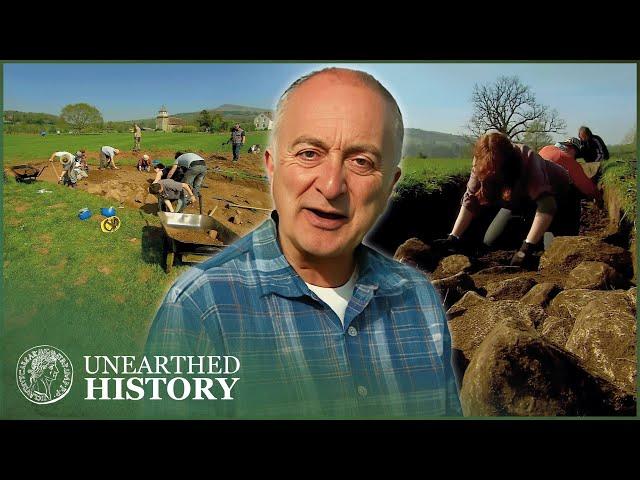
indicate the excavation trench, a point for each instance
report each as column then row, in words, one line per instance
column 530, row 341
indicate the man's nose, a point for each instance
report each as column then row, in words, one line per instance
column 331, row 181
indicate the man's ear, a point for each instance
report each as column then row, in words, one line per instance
column 396, row 177
column 269, row 163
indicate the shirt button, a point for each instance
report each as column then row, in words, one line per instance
column 362, row 391
column 352, row 331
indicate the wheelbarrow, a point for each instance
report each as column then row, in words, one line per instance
column 26, row 173
column 195, row 238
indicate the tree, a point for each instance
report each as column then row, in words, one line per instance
column 632, row 135
column 217, row 122
column 535, row 137
column 81, row 115
column 509, row 106
column 204, row 120
column 224, row 126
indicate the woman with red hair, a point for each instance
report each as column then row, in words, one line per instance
column 513, row 176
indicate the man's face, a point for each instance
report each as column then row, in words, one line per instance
column 582, row 135
column 51, row 372
column 332, row 166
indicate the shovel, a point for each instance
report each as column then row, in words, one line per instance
column 55, row 171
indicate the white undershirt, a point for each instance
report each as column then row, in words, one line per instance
column 338, row 297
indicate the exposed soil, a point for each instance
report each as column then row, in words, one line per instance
column 46, row 238
column 241, row 183
column 247, row 186
column 21, row 207
column 594, row 221
column 105, row 270
column 185, row 235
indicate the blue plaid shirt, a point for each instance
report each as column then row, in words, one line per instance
column 391, row 358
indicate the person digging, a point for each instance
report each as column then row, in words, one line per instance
column 515, row 178
column 107, row 157
column 144, row 164
column 168, row 190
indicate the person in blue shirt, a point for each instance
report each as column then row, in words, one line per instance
column 323, row 325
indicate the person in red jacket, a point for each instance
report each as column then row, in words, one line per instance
column 564, row 154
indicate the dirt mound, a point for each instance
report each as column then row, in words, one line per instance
column 566, row 253
column 242, row 183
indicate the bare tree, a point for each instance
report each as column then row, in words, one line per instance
column 535, row 137
column 509, row 106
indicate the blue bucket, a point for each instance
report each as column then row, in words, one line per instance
column 84, row 214
column 108, row 212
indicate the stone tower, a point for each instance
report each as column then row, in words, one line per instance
column 162, row 120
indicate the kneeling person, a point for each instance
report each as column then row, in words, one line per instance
column 194, row 166
column 169, row 190
column 143, row 164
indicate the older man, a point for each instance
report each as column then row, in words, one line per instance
column 323, row 325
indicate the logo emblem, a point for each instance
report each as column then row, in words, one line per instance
column 44, row 374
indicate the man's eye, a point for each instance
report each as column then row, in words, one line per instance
column 308, row 155
column 362, row 163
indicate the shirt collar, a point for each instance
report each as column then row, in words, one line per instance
column 279, row 277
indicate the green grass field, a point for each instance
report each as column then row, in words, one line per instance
column 435, row 167
column 619, row 174
column 422, row 175
column 21, row 148
column 68, row 284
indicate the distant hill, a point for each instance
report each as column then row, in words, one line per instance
column 435, row 144
column 234, row 113
column 239, row 108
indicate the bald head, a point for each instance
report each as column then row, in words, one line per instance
column 345, row 76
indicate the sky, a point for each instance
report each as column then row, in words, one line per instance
column 432, row 96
